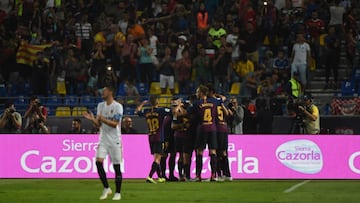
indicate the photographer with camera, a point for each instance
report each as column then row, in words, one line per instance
column 35, row 117
column 311, row 115
column 235, row 120
column 10, row 120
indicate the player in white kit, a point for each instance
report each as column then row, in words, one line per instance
column 108, row 119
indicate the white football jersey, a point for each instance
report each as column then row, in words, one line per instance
column 108, row 134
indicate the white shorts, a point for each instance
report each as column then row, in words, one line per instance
column 114, row 151
column 166, row 80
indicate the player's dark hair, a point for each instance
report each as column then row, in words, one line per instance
column 203, row 89
column 111, row 89
column 153, row 99
column 211, row 88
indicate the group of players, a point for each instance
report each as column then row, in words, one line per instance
column 186, row 127
column 182, row 129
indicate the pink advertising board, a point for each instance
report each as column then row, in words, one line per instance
column 251, row 157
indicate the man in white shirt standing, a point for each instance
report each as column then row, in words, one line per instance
column 108, row 119
column 300, row 58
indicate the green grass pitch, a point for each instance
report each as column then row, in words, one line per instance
column 252, row 191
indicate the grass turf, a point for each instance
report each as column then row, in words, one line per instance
column 88, row 190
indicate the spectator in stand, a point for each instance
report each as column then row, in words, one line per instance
column 40, row 74
column 269, row 20
column 249, row 122
column 98, row 57
column 202, row 18
column 136, row 30
column 10, row 120
column 51, row 31
column 201, row 65
column 351, row 46
column 92, row 88
column 235, row 120
column 350, row 21
column 35, row 117
column 129, row 54
column 216, row 32
column 123, row 23
column 76, row 127
column 167, row 74
column 336, row 17
column 127, row 126
column 242, row 67
column 251, row 83
column 281, row 63
column 248, row 43
column 332, row 53
column 300, row 58
column 131, row 92
column 146, row 66
column 232, row 38
column 83, row 32
column 221, row 70
column 153, row 39
column 293, row 87
column 181, row 21
column 315, row 27
column 183, row 68
column 182, row 45
column 247, row 14
column 268, row 62
column 72, row 66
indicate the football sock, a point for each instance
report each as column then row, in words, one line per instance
column 163, row 165
column 199, row 164
column 213, row 163
column 102, row 174
column 180, row 168
column 219, row 167
column 154, row 167
column 172, row 165
column 187, row 170
column 159, row 171
column 226, row 167
column 118, row 177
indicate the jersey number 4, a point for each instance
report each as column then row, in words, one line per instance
column 207, row 116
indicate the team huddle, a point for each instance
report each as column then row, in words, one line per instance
column 182, row 129
column 186, row 127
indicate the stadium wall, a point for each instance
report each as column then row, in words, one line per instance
column 251, row 157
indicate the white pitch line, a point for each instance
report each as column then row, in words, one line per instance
column 294, row 187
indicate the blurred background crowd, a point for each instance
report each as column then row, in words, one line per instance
column 244, row 47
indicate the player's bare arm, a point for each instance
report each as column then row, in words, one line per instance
column 226, row 110
column 138, row 108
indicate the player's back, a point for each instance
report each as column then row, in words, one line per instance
column 206, row 113
column 221, row 125
column 154, row 119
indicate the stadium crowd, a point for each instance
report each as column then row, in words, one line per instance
column 191, row 42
